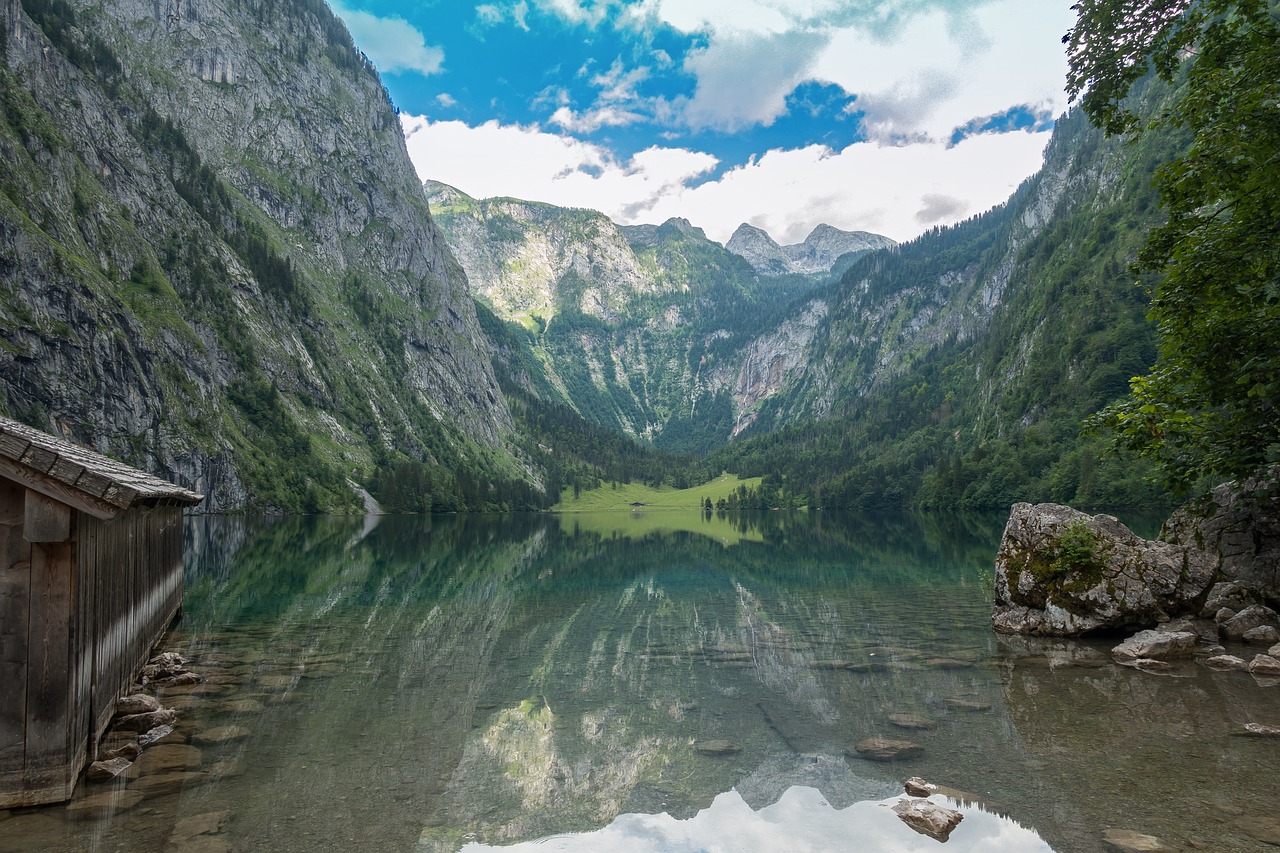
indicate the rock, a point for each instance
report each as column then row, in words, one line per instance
column 104, row 771
column 1156, row 645
column 885, row 749
column 928, row 818
column 166, row 757
column 1264, row 828
column 136, row 703
column 102, row 805
column 130, row 750
column 1254, row 616
column 180, row 679
column 1240, row 525
column 1149, row 665
column 155, row 735
column 1228, row 595
column 1128, row 841
column 160, row 784
column 209, row 823
column 145, row 722
column 966, row 704
column 202, row 844
column 917, row 787
column 222, row 734
column 717, row 747
column 1061, row 572
column 1226, row 662
column 1259, row 730
column 913, row 722
column 1222, row 614
column 1263, row 635
column 1264, row 665
column 243, row 706
column 1274, row 651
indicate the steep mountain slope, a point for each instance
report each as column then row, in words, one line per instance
column 957, row 368
column 818, row 254
column 216, row 260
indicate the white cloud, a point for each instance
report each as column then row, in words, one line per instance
column 393, row 44
column 744, row 78
column 528, row 163
column 897, row 191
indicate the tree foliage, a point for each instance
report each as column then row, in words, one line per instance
column 1209, row 405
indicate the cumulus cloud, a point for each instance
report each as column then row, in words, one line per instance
column 392, row 43
column 896, row 191
column 529, row 163
column 744, row 78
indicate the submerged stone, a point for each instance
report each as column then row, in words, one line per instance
column 912, row 721
column 102, row 805
column 885, row 749
column 222, row 734
column 1129, row 841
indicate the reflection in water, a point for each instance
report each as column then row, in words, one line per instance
column 801, row 821
column 425, row 684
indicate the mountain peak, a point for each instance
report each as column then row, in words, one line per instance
column 817, row 254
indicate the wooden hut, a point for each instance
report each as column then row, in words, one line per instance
column 90, row 577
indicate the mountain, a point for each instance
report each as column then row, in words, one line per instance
column 216, row 261
column 628, row 325
column 956, row 369
column 531, row 260
column 818, row 254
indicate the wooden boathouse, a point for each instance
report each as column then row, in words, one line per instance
column 90, row 577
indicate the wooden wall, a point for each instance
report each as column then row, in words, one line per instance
column 78, row 618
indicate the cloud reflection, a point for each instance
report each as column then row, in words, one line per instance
column 801, row 821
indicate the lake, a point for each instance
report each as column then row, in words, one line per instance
column 654, row 681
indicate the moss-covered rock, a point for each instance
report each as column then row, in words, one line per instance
column 1062, row 572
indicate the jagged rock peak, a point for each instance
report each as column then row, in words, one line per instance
column 817, row 254
column 684, row 226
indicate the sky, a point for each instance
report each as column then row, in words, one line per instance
column 889, row 116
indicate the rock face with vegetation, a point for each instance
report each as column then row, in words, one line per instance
column 215, row 258
column 653, row 330
column 1062, row 572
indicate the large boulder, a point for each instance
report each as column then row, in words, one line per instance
column 1061, row 572
column 1240, row 523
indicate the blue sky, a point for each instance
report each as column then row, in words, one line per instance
column 882, row 115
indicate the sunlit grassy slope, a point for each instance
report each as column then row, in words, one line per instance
column 627, row 494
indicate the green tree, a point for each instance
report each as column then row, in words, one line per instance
column 1209, row 405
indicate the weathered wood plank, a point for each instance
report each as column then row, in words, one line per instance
column 46, row 485
column 39, row 458
column 47, row 519
column 48, row 665
column 13, row 446
column 15, row 593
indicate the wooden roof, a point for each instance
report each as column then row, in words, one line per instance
column 77, row 476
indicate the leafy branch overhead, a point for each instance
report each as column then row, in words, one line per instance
column 1209, row 405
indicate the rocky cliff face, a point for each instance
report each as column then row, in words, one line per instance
column 215, row 256
column 533, row 260
column 818, row 254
